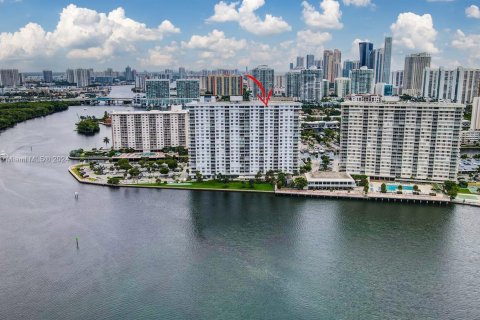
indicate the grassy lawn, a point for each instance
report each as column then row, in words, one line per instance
column 464, row 190
column 234, row 185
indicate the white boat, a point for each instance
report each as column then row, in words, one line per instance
column 3, row 155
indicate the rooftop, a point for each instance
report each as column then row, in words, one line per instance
column 328, row 175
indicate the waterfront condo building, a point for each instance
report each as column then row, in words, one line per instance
column 225, row 85
column 413, row 141
column 242, row 138
column 188, row 89
column 150, row 130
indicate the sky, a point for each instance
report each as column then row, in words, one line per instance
column 205, row 34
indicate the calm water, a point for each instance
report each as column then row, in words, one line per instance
column 160, row 254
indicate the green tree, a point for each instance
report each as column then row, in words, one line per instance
column 365, row 188
column 164, row 170
column 383, row 188
column 258, row 177
column 106, row 140
column 282, row 179
column 415, row 188
column 198, row 176
column 134, row 173
column 124, row 164
column 300, row 183
column 325, row 162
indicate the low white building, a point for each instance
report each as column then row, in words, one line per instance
column 326, row 180
column 471, row 137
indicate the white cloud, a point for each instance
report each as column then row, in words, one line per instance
column 27, row 42
column 247, row 19
column 328, row 19
column 415, row 32
column 357, row 3
column 215, row 44
column 469, row 43
column 84, row 33
column 473, row 12
column 162, row 56
column 308, row 38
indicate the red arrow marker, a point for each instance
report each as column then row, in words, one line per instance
column 264, row 98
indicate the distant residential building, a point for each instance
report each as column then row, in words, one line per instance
column 366, row 49
column 332, row 67
column 82, row 77
column 129, row 74
column 457, row 85
column 149, row 130
column 384, row 89
column 377, row 62
column 243, row 138
column 300, row 63
column 70, row 76
column 471, row 137
column 311, row 84
column 157, row 91
column 225, row 85
column 279, row 85
column 413, row 72
column 387, row 59
column 349, row 65
column 140, row 81
column 342, row 87
column 47, row 76
column 325, row 88
column 293, row 84
column 310, row 60
column 475, row 121
column 397, row 78
column 362, row 81
column 417, row 141
column 291, row 66
column 265, row 75
column 9, row 78
column 188, row 88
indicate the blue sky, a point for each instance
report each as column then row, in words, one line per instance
column 198, row 34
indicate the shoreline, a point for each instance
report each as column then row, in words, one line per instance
column 404, row 198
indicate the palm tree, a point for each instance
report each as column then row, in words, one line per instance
column 106, row 140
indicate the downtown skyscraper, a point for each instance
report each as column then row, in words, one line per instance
column 366, row 49
column 413, row 72
column 265, row 75
column 387, row 59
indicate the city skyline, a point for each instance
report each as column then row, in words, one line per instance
column 229, row 34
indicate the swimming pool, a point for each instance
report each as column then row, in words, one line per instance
column 394, row 188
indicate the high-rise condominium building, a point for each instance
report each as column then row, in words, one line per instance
column 265, row 75
column 366, row 49
column 293, row 84
column 9, row 78
column 300, row 63
column 243, row 138
column 362, row 81
column 47, row 76
column 225, row 85
column 82, row 77
column 188, row 88
column 413, row 72
column 418, row 141
column 397, row 78
column 350, row 65
column 377, row 60
column 70, row 76
column 310, row 60
column 342, row 87
column 311, row 85
column 332, row 67
column 387, row 59
column 325, row 87
column 129, row 74
column 475, row 121
column 457, row 85
column 149, row 130
column 157, row 91
column 291, row 66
